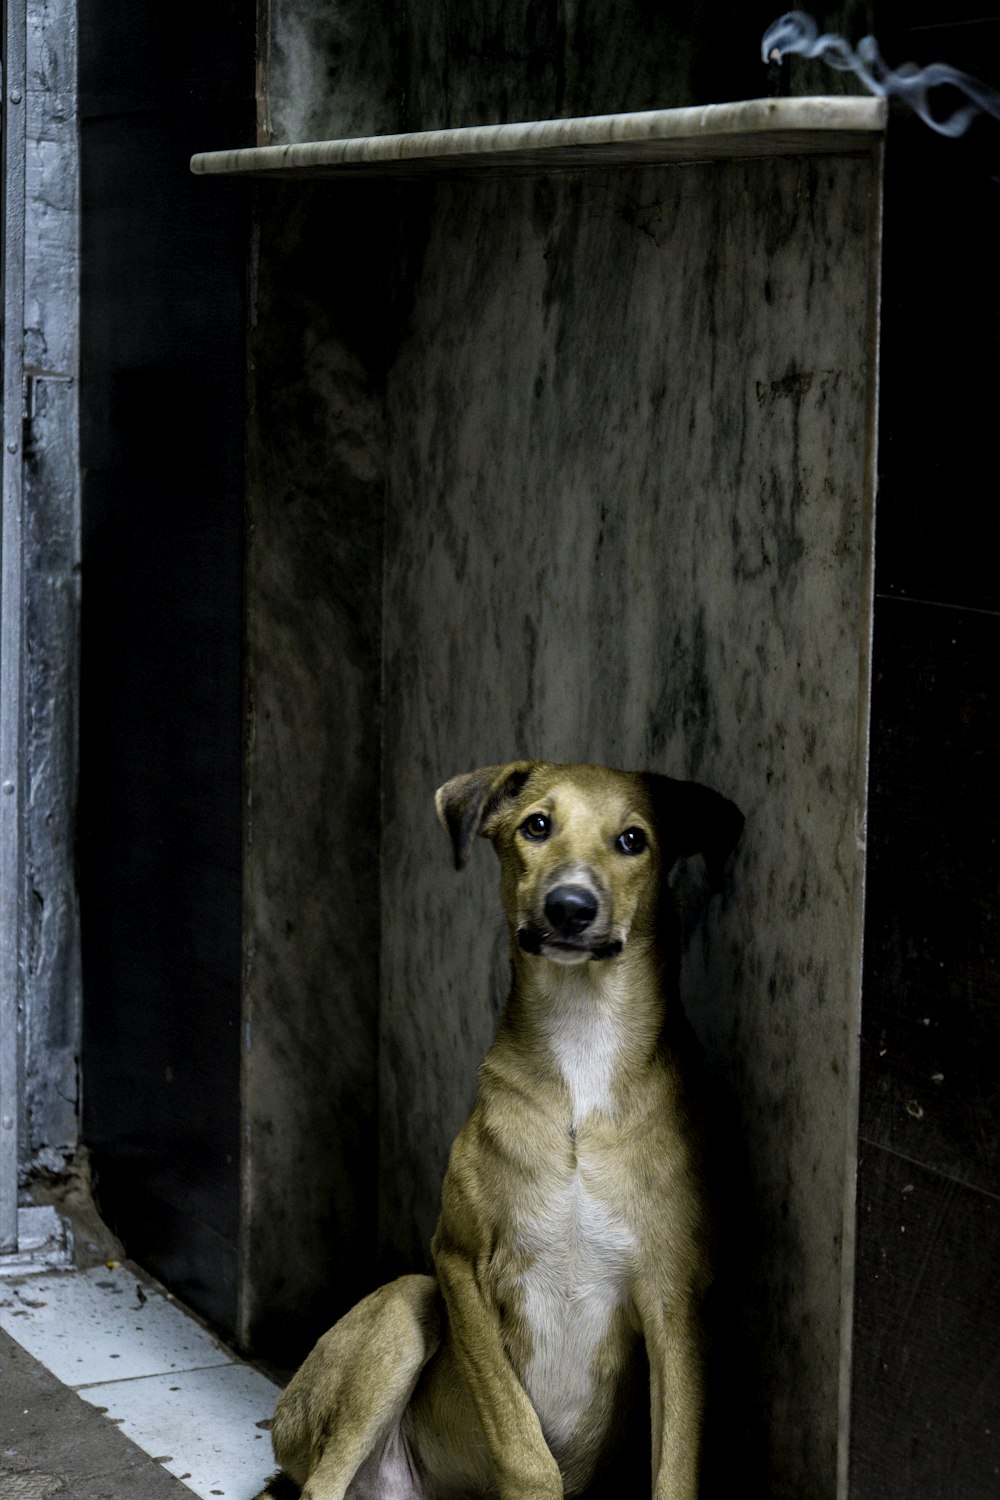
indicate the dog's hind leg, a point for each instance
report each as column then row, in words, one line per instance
column 351, row 1392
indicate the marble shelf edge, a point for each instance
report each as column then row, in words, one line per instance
column 756, row 127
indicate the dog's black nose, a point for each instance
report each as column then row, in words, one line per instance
column 570, row 909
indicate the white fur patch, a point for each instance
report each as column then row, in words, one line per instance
column 586, row 1041
column 577, row 1280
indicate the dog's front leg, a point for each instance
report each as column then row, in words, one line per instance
column 674, row 1344
column 522, row 1462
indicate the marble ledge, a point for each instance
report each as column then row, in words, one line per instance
column 843, row 125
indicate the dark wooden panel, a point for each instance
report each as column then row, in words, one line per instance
column 160, row 856
column 938, row 520
column 160, row 841
column 141, row 57
column 926, row 1385
column 312, row 871
column 926, row 1348
column 931, row 1024
column 171, row 1202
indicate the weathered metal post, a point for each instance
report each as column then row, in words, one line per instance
column 12, row 771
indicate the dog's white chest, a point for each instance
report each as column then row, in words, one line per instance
column 586, row 1044
column 578, row 1278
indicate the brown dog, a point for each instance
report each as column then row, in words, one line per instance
column 573, row 1237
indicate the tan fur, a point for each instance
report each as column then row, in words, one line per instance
column 572, row 1230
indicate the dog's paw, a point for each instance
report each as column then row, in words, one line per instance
column 280, row 1486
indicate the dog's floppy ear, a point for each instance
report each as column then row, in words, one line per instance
column 466, row 804
column 692, row 819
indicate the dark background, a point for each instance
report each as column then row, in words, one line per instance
column 163, row 373
column 162, row 435
column 927, row 1314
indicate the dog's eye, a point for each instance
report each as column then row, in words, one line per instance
column 536, row 827
column 632, row 841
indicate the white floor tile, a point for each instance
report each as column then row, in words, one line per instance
column 201, row 1424
column 93, row 1326
column 175, row 1391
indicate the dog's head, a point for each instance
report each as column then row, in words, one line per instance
column 583, row 849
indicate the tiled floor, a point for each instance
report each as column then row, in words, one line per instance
column 167, row 1383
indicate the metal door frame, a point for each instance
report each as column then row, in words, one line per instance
column 12, row 747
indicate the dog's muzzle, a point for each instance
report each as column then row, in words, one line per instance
column 570, row 912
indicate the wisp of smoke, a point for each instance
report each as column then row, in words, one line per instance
column 799, row 33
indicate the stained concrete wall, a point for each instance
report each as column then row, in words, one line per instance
column 597, row 451
column 628, row 504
